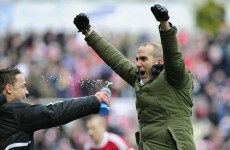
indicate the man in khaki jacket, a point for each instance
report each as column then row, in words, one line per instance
column 162, row 83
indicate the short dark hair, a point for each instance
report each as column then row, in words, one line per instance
column 8, row 76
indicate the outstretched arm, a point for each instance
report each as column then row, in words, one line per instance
column 35, row 117
column 173, row 59
column 110, row 55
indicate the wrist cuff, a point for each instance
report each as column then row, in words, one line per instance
column 170, row 25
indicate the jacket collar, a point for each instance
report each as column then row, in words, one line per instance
column 156, row 69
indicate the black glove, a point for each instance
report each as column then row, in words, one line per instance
column 160, row 12
column 81, row 21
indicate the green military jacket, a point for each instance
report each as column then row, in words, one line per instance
column 164, row 104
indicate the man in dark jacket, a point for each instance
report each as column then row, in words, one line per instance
column 19, row 121
column 162, row 83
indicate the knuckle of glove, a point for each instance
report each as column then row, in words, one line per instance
column 82, row 22
column 160, row 12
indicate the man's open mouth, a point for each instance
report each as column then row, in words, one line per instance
column 142, row 73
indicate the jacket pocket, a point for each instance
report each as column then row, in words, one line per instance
column 137, row 136
column 173, row 139
column 183, row 138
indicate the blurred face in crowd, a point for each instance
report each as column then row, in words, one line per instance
column 146, row 57
column 96, row 128
column 17, row 91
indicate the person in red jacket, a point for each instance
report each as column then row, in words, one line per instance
column 103, row 140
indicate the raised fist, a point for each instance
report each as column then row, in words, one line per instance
column 81, row 21
column 160, row 12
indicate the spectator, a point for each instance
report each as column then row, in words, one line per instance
column 103, row 140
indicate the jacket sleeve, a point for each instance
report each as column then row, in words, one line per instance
column 112, row 57
column 35, row 117
column 176, row 73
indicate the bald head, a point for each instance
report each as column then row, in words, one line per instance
column 157, row 49
column 148, row 54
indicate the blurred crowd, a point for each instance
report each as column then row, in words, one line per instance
column 61, row 65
